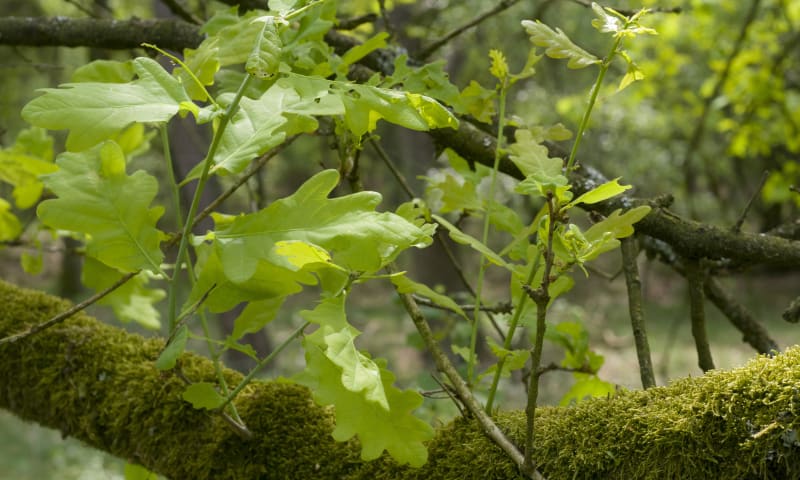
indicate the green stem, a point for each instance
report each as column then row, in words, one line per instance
column 509, row 337
column 541, row 297
column 476, row 315
column 592, row 100
column 201, row 183
column 261, row 364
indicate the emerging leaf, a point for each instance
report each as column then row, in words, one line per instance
column 558, row 45
column 264, row 59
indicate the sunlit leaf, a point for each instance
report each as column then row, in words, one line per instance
column 359, row 238
column 390, row 426
column 406, row 285
column 94, row 111
column 203, row 395
column 169, row 357
column 600, row 193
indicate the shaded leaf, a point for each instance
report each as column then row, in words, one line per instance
column 97, row 198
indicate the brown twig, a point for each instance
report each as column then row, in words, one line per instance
column 436, row 45
column 460, row 387
column 738, row 226
column 636, row 309
column 695, row 276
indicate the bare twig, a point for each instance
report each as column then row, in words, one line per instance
column 695, row 277
column 68, row 313
column 738, row 227
column 460, row 387
column 436, row 45
column 499, row 308
column 635, row 307
column 355, row 22
column 630, row 12
column 179, row 9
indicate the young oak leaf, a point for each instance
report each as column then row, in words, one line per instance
column 558, row 45
column 97, row 198
column 94, row 111
column 357, row 237
column 367, row 405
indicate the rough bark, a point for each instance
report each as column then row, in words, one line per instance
column 97, row 383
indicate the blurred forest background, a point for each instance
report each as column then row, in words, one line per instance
column 719, row 108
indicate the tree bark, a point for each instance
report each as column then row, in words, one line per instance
column 98, row 384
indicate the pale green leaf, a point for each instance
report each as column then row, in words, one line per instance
column 600, row 193
column 169, row 356
column 620, row 226
column 359, row 372
column 558, row 45
column 358, row 238
column 302, row 254
column 264, row 58
column 379, row 428
column 406, row 285
column 255, row 316
column 10, row 226
column 23, row 163
column 138, row 472
column 532, row 158
column 94, row 111
column 104, row 71
column 587, row 386
column 96, row 197
column 465, row 239
column 203, row 395
column 363, row 49
column 499, row 67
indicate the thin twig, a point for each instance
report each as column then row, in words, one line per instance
column 252, row 170
column 460, row 387
column 499, row 308
column 738, row 227
column 629, row 12
column 436, row 45
column 355, row 22
column 635, row 307
column 68, row 313
column 695, row 277
column 176, row 7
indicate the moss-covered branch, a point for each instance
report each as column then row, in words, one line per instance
column 98, row 384
column 689, row 238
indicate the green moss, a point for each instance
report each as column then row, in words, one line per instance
column 98, row 384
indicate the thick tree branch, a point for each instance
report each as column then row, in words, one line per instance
column 98, row 33
column 99, row 385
